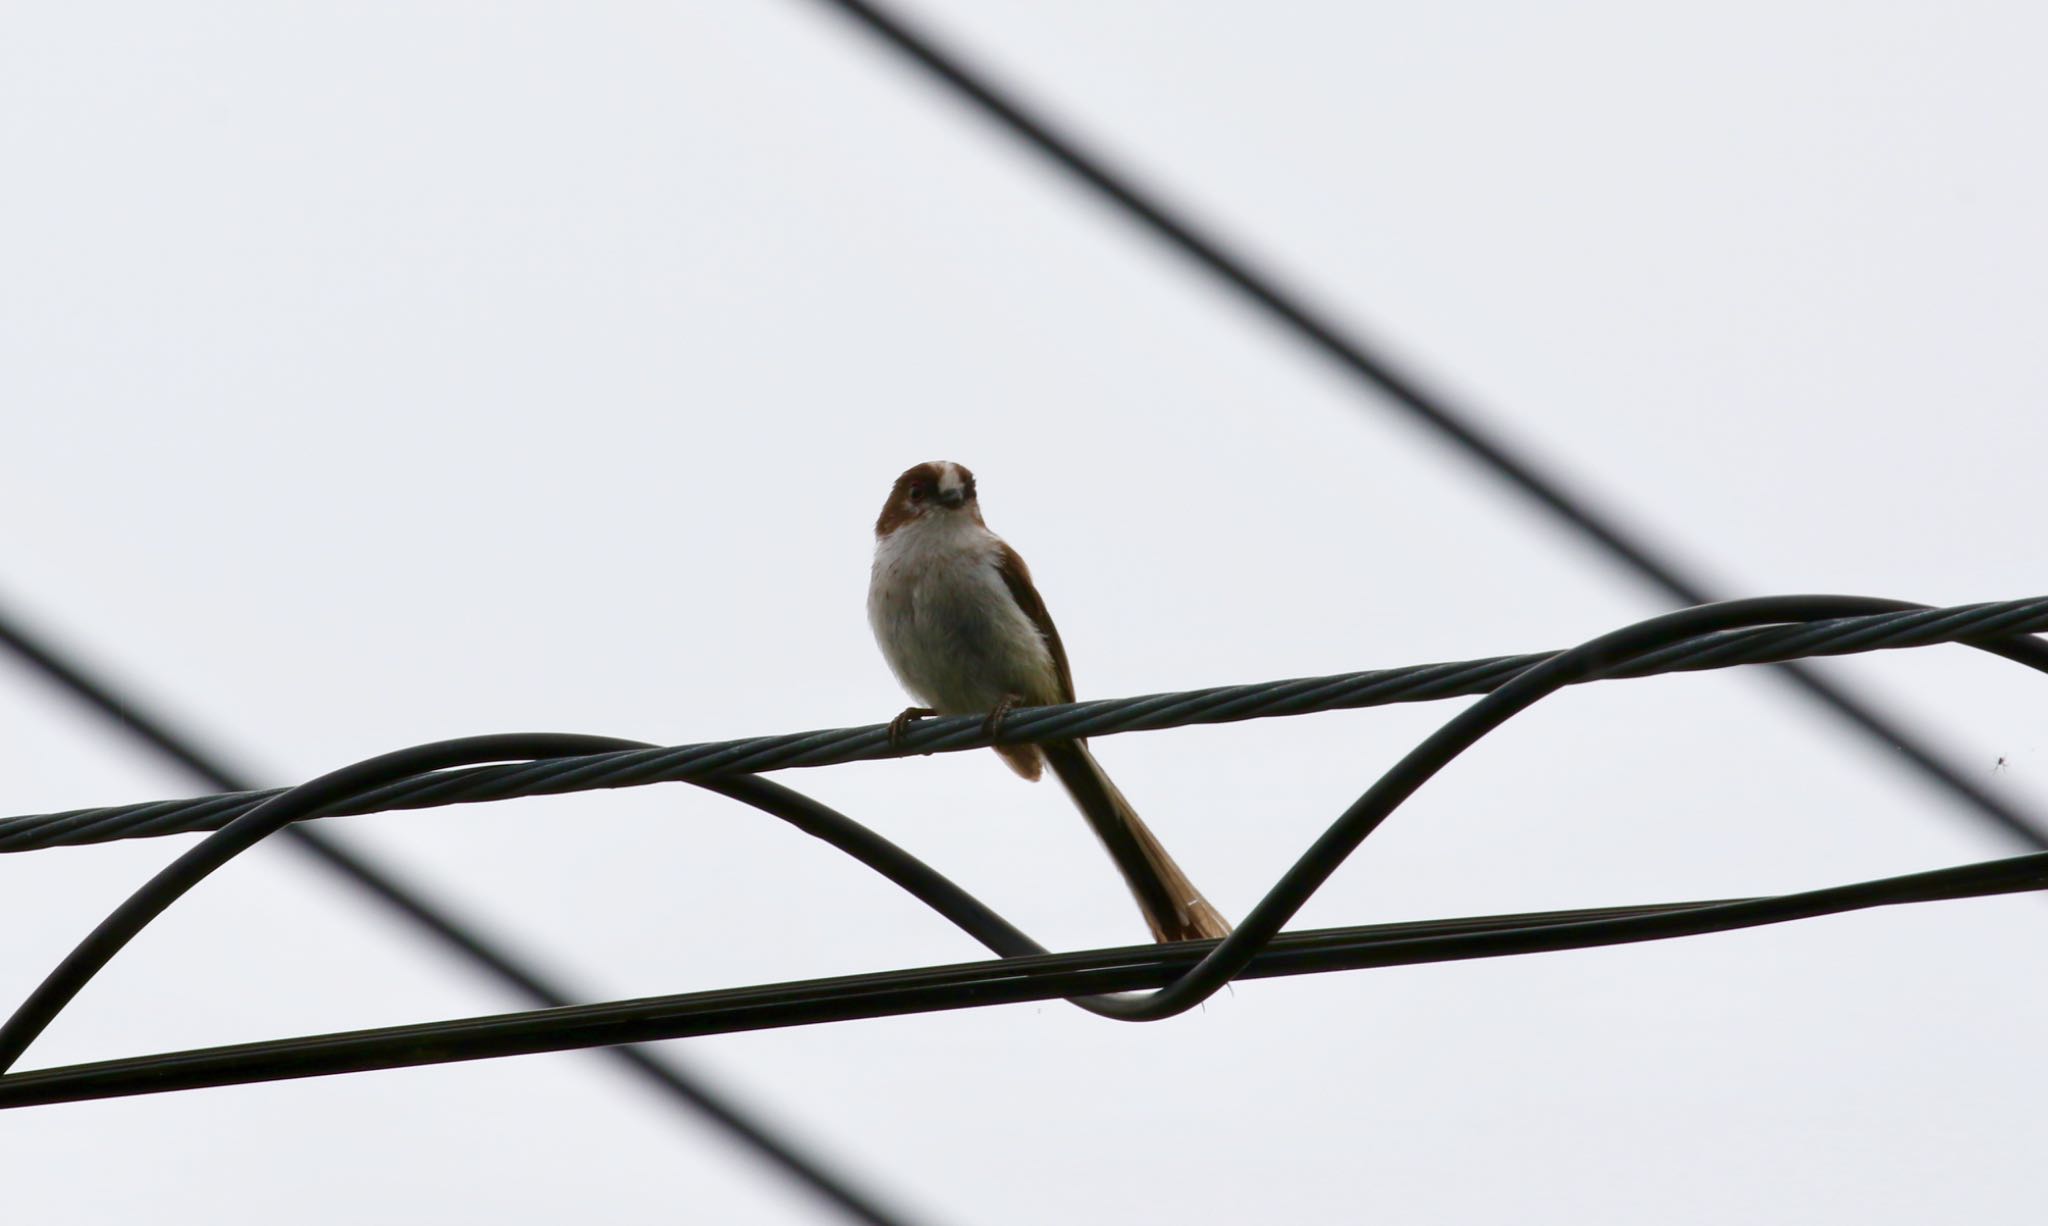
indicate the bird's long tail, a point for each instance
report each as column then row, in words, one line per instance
column 1173, row 907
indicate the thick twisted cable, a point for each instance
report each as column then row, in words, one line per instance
column 1989, row 625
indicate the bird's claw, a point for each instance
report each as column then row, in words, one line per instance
column 992, row 727
column 901, row 724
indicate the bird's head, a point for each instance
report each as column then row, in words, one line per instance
column 934, row 488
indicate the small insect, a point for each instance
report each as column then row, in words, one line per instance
column 1998, row 765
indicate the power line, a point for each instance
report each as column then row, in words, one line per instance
column 978, row 984
column 1180, row 978
column 1235, row 270
column 410, row 901
column 1844, row 625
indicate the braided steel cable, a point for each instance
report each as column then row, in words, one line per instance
column 1186, row 986
column 1899, row 625
column 1401, row 389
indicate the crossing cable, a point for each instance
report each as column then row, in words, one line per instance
column 1855, row 628
column 1429, row 407
column 1838, row 619
column 661, row 1072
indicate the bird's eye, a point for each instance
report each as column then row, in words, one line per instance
column 917, row 493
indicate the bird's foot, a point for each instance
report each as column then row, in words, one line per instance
column 993, row 725
column 901, row 724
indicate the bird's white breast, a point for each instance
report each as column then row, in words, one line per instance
column 946, row 622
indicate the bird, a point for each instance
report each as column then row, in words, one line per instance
column 965, row 631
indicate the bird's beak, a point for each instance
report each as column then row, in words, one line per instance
column 952, row 499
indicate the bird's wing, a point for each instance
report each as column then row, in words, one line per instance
column 1017, row 577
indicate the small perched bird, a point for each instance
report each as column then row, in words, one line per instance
column 966, row 633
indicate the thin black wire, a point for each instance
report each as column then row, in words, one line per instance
column 867, row 996
column 1429, row 407
column 1899, row 625
column 408, row 900
column 973, row 985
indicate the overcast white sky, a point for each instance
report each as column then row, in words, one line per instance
column 387, row 372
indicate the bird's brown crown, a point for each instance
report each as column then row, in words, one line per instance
column 935, row 485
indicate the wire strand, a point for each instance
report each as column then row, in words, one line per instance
column 1897, row 625
column 980, row 984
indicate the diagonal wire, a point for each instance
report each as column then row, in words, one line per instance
column 409, row 901
column 1211, row 253
column 1854, row 624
